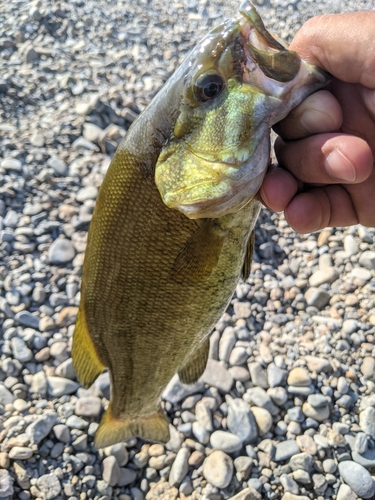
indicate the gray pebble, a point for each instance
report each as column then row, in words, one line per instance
column 285, row 449
column 49, row 485
column 61, row 252
column 179, row 467
column 225, row 441
column 358, row 478
column 241, row 422
column 40, row 428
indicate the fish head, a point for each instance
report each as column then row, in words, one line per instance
column 236, row 84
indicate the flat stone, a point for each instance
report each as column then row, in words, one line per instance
column 176, row 391
column 180, row 467
column 285, row 450
column 276, row 376
column 90, row 406
column 49, row 485
column 27, row 319
column 326, row 275
column 218, row 469
column 306, row 444
column 247, row 494
column 75, row 422
column 241, row 421
column 58, row 386
column 358, row 478
column 368, row 367
column 302, row 461
column 127, row 476
column 350, row 245
column 111, row 470
column 258, row 375
column 40, row 428
column 367, row 259
column 6, row 485
column 263, row 419
column 61, row 251
column 217, row 376
column 120, row 452
column 39, row 383
column 226, row 344
column 361, row 274
column 20, row 349
column 367, row 421
column 316, row 297
column 6, row 397
column 289, row 484
column 317, row 413
column 259, row 397
column 59, row 167
column 11, row 164
column 299, row 377
column 317, row 364
column 345, row 493
column 62, row 433
column 20, row 453
column 291, row 496
column 225, row 441
column 87, row 193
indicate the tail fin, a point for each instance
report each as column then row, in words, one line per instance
column 86, row 362
column 114, row 430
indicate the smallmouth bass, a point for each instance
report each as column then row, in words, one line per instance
column 173, row 226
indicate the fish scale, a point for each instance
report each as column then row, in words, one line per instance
column 172, row 228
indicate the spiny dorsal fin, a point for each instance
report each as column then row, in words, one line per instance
column 246, row 268
column 196, row 365
column 200, row 255
column 87, row 364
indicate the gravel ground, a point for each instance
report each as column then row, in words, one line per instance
column 286, row 407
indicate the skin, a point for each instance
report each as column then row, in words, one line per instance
column 326, row 148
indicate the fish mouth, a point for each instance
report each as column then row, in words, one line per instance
column 267, row 63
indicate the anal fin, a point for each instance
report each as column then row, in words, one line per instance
column 246, row 268
column 199, row 257
column 196, row 365
column 86, row 362
column 112, row 430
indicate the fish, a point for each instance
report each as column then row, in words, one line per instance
column 173, row 227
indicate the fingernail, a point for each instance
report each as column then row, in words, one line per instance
column 314, row 121
column 339, row 167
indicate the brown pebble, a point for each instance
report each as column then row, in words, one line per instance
column 196, row 458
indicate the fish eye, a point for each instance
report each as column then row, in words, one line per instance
column 208, row 86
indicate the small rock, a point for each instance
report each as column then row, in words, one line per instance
column 217, row 376
column 367, row 259
column 346, row 493
column 263, row 419
column 225, row 441
column 367, row 421
column 111, row 470
column 326, row 275
column 58, row 386
column 317, row 297
column 20, row 453
column 299, row 377
column 89, row 406
column 368, row 367
column 6, row 485
column 358, row 478
column 285, row 449
column 247, row 494
column 218, row 469
column 318, row 365
column 40, row 428
column 61, row 251
column 49, row 485
column 241, row 421
column 180, row 467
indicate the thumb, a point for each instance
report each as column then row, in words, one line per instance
column 343, row 44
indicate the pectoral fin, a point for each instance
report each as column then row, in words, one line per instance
column 86, row 362
column 200, row 255
column 246, row 268
column 196, row 365
column 113, row 430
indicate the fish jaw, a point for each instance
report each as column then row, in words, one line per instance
column 225, row 135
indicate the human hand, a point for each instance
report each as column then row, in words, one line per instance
column 326, row 148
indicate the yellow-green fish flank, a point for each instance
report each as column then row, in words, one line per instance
column 172, row 229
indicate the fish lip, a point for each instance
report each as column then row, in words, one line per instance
column 228, row 163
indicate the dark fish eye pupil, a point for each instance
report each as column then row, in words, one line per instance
column 208, row 86
column 211, row 90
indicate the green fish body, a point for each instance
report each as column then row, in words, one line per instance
column 172, row 229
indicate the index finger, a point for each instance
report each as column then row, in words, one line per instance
column 342, row 44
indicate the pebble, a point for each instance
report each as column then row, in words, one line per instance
column 218, row 469
column 49, row 485
column 327, row 275
column 358, row 478
column 241, row 421
column 299, row 377
column 216, row 375
column 61, row 252
column 263, row 419
column 40, row 428
column 58, row 386
column 367, row 421
column 225, row 441
column 111, row 470
column 6, row 485
column 179, row 467
column 285, row 449
column 89, row 406
column 345, row 493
